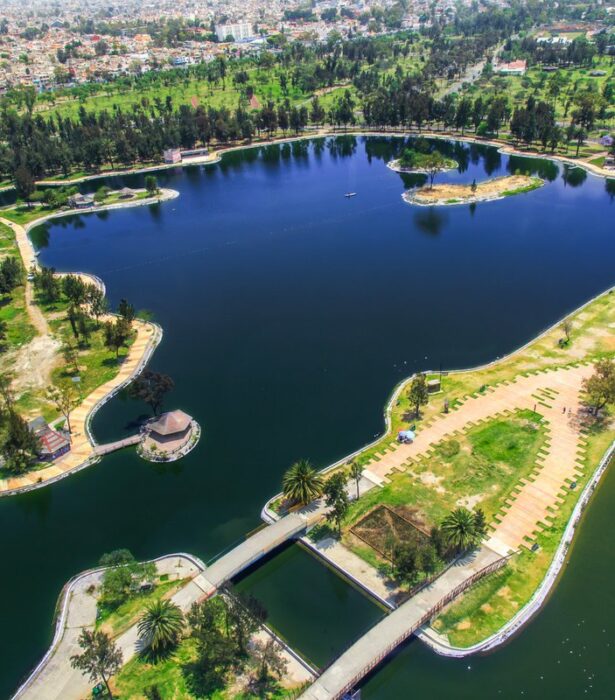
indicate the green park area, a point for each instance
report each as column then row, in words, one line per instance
column 218, row 649
column 409, row 527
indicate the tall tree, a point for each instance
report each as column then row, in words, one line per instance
column 151, row 387
column 302, row 483
column 336, row 499
column 160, row 626
column 100, row 657
column 418, row 394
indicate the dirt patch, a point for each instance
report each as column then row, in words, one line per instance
column 485, row 607
column 470, row 502
column 384, row 527
column 449, row 193
column 504, row 592
column 33, row 364
column 430, row 479
column 464, row 625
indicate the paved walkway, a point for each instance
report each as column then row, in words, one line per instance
column 59, row 681
column 82, row 451
column 392, row 630
column 550, row 392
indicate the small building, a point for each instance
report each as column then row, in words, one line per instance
column 172, row 155
column 433, row 386
column 52, row 444
column 172, row 425
column 81, row 201
column 512, row 68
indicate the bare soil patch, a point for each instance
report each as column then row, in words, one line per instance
column 450, row 193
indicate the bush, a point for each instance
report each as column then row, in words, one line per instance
column 449, row 448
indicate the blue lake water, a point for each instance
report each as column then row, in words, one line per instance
column 289, row 314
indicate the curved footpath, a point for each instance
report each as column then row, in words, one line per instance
column 148, row 335
column 529, row 506
column 55, row 679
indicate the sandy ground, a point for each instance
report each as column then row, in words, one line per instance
column 491, row 189
column 34, row 363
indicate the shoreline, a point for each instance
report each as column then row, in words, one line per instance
column 416, row 197
column 148, row 336
column 547, row 585
column 396, row 168
column 318, row 132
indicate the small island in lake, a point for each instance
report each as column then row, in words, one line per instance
column 451, row 193
column 420, row 160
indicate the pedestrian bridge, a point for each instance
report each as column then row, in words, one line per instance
column 251, row 550
column 365, row 654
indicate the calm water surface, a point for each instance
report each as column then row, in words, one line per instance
column 289, row 314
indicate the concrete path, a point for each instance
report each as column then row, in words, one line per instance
column 392, row 630
column 549, row 392
column 57, row 680
column 82, row 449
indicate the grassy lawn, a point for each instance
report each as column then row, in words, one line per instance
column 23, row 214
column 485, row 464
column 490, row 603
column 477, row 469
column 13, row 309
column 128, row 613
column 95, row 362
column 173, row 679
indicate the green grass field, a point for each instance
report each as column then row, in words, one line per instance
column 13, row 311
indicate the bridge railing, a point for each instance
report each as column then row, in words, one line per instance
column 451, row 595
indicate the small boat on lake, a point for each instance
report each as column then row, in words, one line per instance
column 350, row 194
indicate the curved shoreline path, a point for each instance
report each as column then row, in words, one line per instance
column 83, row 447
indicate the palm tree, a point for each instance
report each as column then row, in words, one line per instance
column 160, row 625
column 302, row 483
column 459, row 529
column 356, row 472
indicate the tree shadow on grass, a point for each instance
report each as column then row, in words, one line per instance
column 201, row 681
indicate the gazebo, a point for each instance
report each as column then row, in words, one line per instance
column 171, row 426
column 169, row 437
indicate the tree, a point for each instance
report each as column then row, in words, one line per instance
column 20, row 446
column 160, row 626
column 24, row 182
column 126, row 311
column 418, row 394
column 100, row 658
column 459, row 529
column 151, row 387
column 64, row 399
column 99, row 305
column 266, row 660
column 122, row 577
column 3, row 333
column 216, row 652
column 600, row 387
column 567, row 328
column 356, row 472
column 117, row 334
column 244, row 614
column 336, row 499
column 433, row 164
column 480, row 524
column 302, row 483
column 151, row 185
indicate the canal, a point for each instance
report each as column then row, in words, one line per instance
column 289, row 313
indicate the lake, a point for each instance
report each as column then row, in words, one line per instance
column 289, row 314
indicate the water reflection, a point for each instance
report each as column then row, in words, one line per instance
column 546, row 169
column 431, row 221
column 573, row 176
